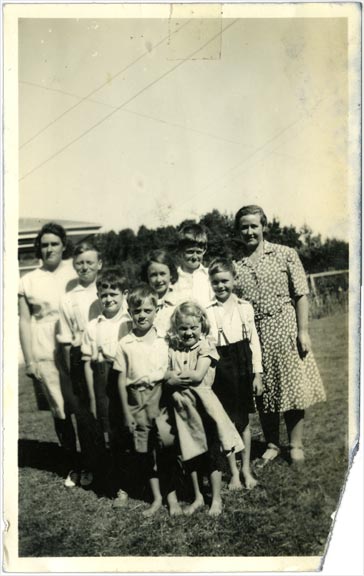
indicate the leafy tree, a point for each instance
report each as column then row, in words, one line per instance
column 130, row 249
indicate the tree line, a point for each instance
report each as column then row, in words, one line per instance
column 130, row 249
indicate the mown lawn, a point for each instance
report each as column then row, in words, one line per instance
column 288, row 514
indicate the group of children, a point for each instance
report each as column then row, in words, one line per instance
column 164, row 372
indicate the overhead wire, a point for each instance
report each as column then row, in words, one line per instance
column 135, row 113
column 95, row 90
column 126, row 102
column 226, row 175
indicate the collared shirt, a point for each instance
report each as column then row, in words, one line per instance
column 78, row 307
column 103, row 334
column 236, row 319
column 144, row 361
column 272, row 281
column 193, row 286
column 165, row 308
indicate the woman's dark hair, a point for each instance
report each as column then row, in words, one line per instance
column 57, row 230
column 251, row 209
column 159, row 257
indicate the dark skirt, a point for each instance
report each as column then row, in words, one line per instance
column 233, row 383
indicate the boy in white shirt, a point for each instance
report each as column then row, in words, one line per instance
column 77, row 308
column 99, row 344
column 239, row 370
column 193, row 279
column 141, row 360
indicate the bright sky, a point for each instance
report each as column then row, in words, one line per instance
column 125, row 122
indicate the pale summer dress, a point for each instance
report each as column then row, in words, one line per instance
column 43, row 290
column 188, row 402
column 271, row 285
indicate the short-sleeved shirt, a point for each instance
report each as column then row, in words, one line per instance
column 144, row 362
column 273, row 281
column 102, row 335
column 193, row 286
column 78, row 308
column 165, row 308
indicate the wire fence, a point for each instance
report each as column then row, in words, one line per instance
column 329, row 293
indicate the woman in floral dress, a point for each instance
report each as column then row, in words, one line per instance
column 272, row 279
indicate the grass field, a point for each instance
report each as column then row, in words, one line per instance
column 288, row 514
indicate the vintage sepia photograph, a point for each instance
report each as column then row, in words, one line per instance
column 181, row 284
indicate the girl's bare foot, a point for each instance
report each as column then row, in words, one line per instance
column 297, row 454
column 216, row 507
column 235, row 483
column 250, row 481
column 153, row 509
column 196, row 504
column 174, row 509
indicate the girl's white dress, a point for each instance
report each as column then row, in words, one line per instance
column 189, row 402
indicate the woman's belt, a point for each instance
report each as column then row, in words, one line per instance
column 258, row 315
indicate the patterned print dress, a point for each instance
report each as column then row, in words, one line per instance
column 271, row 284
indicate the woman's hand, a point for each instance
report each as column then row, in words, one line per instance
column 257, row 384
column 32, row 370
column 304, row 343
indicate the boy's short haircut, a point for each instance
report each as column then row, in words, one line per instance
column 140, row 293
column 160, row 256
column 192, row 234
column 221, row 264
column 86, row 246
column 113, row 277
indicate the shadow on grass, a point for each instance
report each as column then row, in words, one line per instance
column 41, row 455
column 50, row 457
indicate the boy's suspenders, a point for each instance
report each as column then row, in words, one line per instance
column 244, row 330
column 220, row 330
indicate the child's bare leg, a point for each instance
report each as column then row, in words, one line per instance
column 216, row 504
column 173, row 504
column 234, row 483
column 198, row 501
column 157, row 497
column 250, row 481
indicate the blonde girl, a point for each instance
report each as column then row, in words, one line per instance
column 203, row 427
